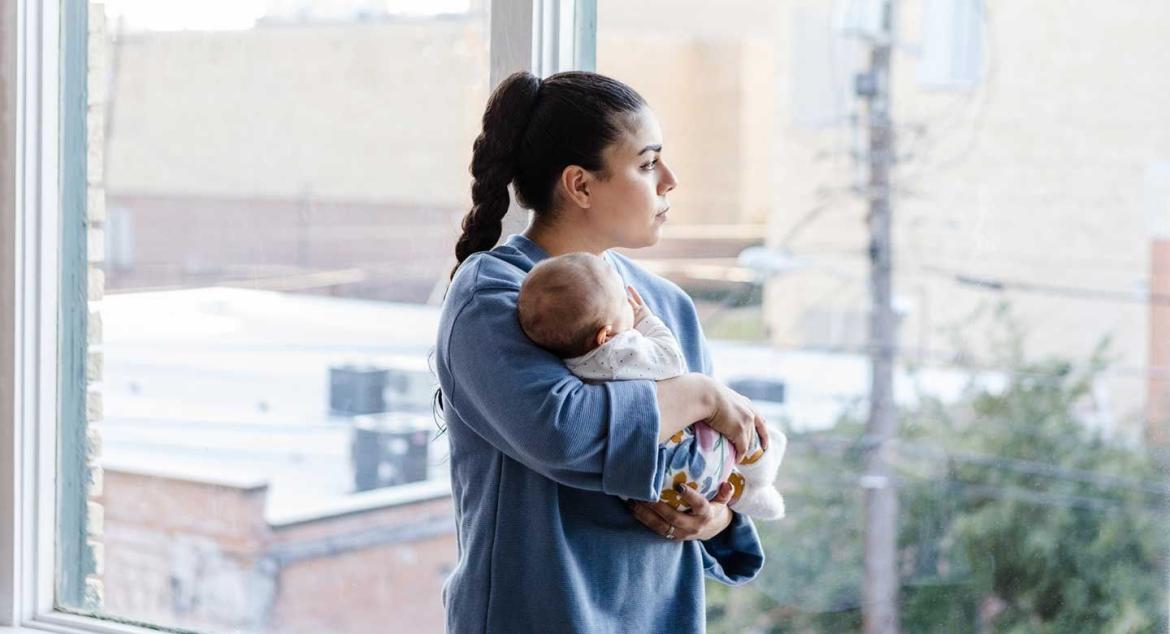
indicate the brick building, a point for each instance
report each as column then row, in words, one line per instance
column 198, row 551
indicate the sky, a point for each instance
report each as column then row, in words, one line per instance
column 217, row 15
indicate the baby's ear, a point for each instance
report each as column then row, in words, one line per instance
column 604, row 335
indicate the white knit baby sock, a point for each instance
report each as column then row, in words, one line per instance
column 760, row 498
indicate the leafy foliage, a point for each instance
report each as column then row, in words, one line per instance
column 1016, row 515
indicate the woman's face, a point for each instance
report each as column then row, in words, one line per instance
column 628, row 208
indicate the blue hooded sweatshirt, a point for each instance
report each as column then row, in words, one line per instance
column 539, row 460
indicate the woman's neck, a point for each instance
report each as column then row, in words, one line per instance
column 556, row 240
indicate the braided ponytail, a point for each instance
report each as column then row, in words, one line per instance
column 532, row 130
column 493, row 163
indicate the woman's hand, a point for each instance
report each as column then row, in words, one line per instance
column 704, row 521
column 734, row 417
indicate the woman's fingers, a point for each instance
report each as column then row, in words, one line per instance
column 739, row 438
column 739, row 421
column 700, row 522
column 685, row 525
column 699, row 513
column 695, row 500
column 653, row 520
column 743, row 441
column 747, row 429
column 761, row 429
column 724, row 494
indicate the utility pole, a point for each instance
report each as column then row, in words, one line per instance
column 880, row 592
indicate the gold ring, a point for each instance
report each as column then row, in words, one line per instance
column 670, row 533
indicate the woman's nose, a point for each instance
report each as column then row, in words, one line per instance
column 668, row 181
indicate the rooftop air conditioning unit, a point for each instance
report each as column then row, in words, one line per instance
column 409, row 388
column 357, row 389
column 757, row 389
column 389, row 449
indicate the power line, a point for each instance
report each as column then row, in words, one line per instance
column 1094, row 264
column 1015, row 494
column 941, row 359
column 1013, row 465
column 994, row 284
column 1062, row 500
column 1031, row 467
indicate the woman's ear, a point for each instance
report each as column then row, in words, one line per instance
column 575, row 181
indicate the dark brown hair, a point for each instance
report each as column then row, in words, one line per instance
column 532, row 130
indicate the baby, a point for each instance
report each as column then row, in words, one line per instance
column 577, row 307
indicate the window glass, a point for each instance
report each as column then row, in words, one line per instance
column 276, row 187
column 1031, row 293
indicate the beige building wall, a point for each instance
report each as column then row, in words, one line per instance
column 333, row 157
column 1034, row 176
column 315, row 157
column 357, row 112
column 708, row 73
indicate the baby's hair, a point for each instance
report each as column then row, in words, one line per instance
column 563, row 303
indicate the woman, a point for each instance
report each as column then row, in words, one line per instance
column 541, row 462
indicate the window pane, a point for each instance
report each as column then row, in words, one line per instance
column 276, row 189
column 1031, row 288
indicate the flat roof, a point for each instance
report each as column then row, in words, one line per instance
column 230, row 386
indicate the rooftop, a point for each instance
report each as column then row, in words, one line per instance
column 230, row 386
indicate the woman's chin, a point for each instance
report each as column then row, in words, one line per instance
column 650, row 238
column 655, row 235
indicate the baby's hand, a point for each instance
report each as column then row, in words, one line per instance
column 639, row 306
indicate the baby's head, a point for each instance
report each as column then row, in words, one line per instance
column 573, row 303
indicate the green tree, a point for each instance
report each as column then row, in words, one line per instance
column 1016, row 516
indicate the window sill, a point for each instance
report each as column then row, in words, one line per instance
column 62, row 623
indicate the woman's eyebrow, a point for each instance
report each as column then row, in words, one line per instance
column 650, row 148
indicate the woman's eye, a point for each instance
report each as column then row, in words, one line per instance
column 651, row 165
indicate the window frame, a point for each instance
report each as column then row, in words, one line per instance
column 44, row 59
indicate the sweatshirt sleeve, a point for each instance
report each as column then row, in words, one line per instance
column 735, row 556
column 648, row 351
column 524, row 401
column 660, row 344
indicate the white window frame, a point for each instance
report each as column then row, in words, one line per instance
column 541, row 36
